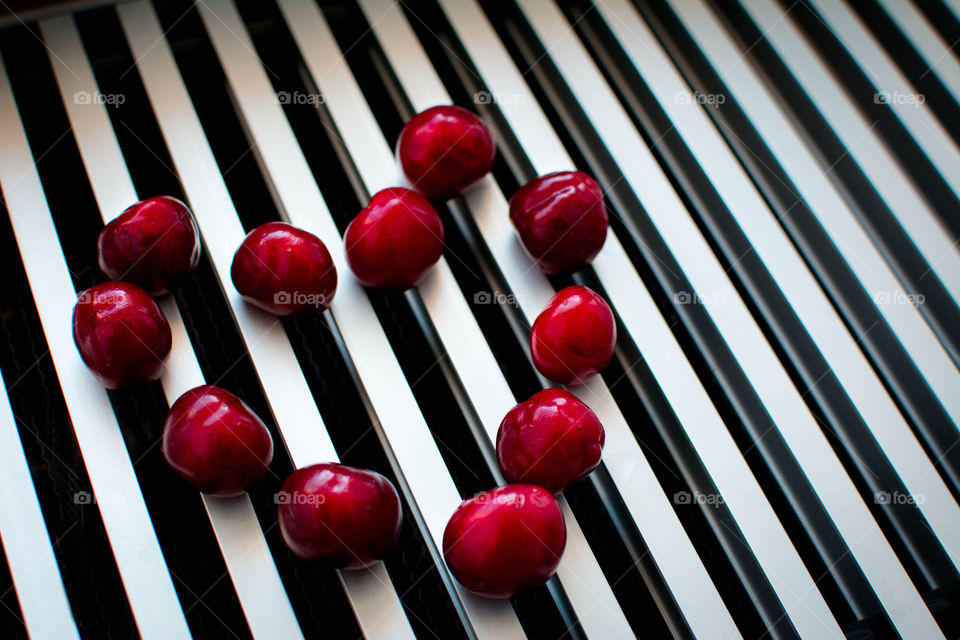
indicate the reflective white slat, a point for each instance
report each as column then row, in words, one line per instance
column 906, row 609
column 144, row 573
column 669, row 545
column 934, row 50
column 787, row 267
column 862, row 142
column 371, row 593
column 797, row 284
column 409, row 437
column 902, row 95
column 794, row 585
column 246, row 555
column 581, row 576
column 893, row 302
column 26, row 542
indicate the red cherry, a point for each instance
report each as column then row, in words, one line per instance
column 574, row 337
column 121, row 334
column 346, row 517
column 505, row 540
column 216, row 442
column 444, row 150
column 154, row 243
column 285, row 270
column 561, row 220
column 395, row 241
column 553, row 439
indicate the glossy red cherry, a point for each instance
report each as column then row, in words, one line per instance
column 121, row 334
column 444, row 150
column 574, row 337
column 214, row 441
column 552, row 440
column 505, row 540
column 284, row 270
column 154, row 244
column 346, row 517
column 395, row 241
column 561, row 220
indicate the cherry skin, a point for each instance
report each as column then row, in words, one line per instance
column 573, row 338
column 154, row 244
column 444, row 150
column 505, row 540
column 216, row 442
column 342, row 516
column 284, row 270
column 561, row 220
column 552, row 440
column 395, row 241
column 121, row 334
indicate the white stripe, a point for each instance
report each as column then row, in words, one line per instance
column 885, row 76
column 623, row 458
column 374, row 601
column 935, row 51
column 582, row 578
column 865, row 540
column 798, row 285
column 143, row 571
column 409, row 437
column 247, row 557
column 26, row 542
column 831, row 210
column 862, row 142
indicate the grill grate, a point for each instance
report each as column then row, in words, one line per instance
column 782, row 413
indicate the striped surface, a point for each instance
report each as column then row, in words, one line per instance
column 782, row 412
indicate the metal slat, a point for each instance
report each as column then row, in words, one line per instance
column 827, row 205
column 691, row 586
column 26, row 542
column 144, row 573
column 927, row 41
column 863, row 143
column 579, row 572
column 900, row 599
column 885, row 76
column 371, row 593
column 787, row 267
column 247, row 557
column 409, row 438
column 808, row 611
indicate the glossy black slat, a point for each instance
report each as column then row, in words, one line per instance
column 911, row 63
column 881, row 223
column 436, row 29
column 841, row 422
column 941, row 19
column 775, row 186
column 86, row 563
column 178, row 516
column 410, row 340
column 937, row 432
column 904, row 382
column 315, row 593
column 913, row 161
column 634, row 577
